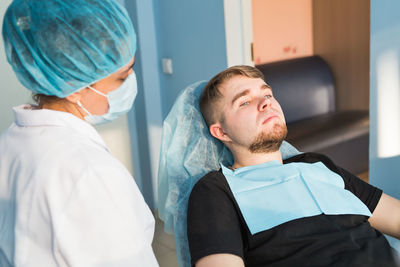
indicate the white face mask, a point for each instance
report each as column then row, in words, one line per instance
column 119, row 101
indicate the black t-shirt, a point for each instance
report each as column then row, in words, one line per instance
column 215, row 225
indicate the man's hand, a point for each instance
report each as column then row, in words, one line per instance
column 222, row 259
column 386, row 216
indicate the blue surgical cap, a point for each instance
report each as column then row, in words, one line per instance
column 57, row 47
column 188, row 152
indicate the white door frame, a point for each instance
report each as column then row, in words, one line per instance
column 238, row 32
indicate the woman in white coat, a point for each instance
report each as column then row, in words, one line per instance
column 64, row 199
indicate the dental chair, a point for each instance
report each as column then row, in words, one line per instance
column 188, row 152
column 305, row 88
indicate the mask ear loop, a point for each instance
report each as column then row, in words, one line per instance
column 96, row 91
column 82, row 107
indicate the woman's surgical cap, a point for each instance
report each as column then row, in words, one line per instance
column 57, row 47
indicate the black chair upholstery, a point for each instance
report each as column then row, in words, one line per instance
column 305, row 89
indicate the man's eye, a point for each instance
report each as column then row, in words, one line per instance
column 268, row 96
column 244, row 104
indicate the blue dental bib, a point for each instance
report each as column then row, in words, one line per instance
column 273, row 193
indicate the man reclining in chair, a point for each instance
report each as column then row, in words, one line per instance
column 262, row 211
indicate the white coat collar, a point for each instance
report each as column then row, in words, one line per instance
column 29, row 116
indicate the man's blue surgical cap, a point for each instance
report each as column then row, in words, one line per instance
column 57, row 47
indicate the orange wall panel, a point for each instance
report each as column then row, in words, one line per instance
column 282, row 29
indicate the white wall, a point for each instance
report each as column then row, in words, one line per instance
column 116, row 136
column 12, row 93
column 385, row 98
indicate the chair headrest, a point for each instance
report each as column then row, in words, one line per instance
column 303, row 86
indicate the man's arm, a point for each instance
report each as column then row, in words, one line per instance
column 386, row 216
column 385, row 209
column 217, row 260
column 213, row 224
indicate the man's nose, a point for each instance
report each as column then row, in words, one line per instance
column 264, row 104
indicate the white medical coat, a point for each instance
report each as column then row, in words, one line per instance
column 65, row 200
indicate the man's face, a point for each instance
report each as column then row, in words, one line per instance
column 253, row 119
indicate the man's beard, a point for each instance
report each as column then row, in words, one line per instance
column 269, row 142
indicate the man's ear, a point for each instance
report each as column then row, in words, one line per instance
column 219, row 133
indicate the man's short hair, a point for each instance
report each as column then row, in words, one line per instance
column 209, row 100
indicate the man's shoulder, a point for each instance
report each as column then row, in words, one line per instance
column 307, row 157
column 212, row 181
column 213, row 177
column 312, row 157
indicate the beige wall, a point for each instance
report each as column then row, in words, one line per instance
column 337, row 30
column 281, row 29
column 341, row 37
